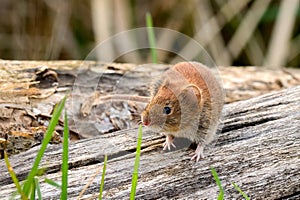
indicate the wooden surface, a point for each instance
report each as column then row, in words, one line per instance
column 30, row 89
column 258, row 149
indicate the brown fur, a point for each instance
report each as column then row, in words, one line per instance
column 195, row 98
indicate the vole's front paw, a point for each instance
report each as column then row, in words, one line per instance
column 169, row 142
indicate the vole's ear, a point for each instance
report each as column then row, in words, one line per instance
column 197, row 91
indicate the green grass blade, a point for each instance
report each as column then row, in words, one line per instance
column 32, row 190
column 103, row 176
column 240, row 191
column 216, row 177
column 53, row 183
column 65, row 166
column 151, row 37
column 14, row 177
column 38, row 188
column 136, row 164
column 55, row 117
column 41, row 171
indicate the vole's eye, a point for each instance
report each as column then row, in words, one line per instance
column 167, row 110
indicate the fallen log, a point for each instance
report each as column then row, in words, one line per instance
column 30, row 89
column 258, row 148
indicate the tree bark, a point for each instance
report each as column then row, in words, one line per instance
column 258, row 148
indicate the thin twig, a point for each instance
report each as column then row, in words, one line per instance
column 90, row 181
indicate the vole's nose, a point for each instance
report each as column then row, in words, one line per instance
column 146, row 123
column 146, row 120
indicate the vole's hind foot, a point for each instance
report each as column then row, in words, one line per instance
column 169, row 142
column 198, row 153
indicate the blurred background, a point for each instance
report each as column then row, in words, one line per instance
column 234, row 32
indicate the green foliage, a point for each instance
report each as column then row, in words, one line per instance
column 38, row 189
column 14, row 177
column 30, row 178
column 31, row 184
column 103, row 177
column 53, row 183
column 221, row 194
column 216, row 177
column 151, row 37
column 65, row 166
column 240, row 191
column 136, row 164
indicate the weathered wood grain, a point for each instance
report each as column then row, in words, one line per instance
column 258, row 148
column 30, row 89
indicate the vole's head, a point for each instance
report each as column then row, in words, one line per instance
column 163, row 112
column 171, row 107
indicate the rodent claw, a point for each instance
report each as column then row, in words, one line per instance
column 198, row 153
column 168, row 143
column 197, row 157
